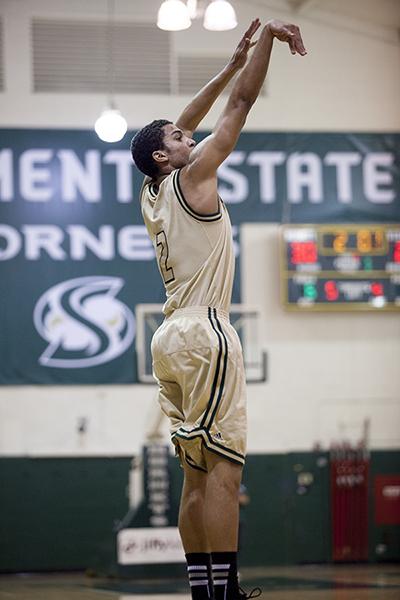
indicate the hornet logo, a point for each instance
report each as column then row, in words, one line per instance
column 83, row 322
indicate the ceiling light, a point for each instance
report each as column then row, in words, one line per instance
column 220, row 16
column 173, row 15
column 111, row 125
column 192, row 8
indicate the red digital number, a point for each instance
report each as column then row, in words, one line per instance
column 331, row 291
column 303, row 252
column 396, row 253
column 376, row 289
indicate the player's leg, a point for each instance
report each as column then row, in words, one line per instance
column 222, row 502
column 191, row 512
column 222, row 523
column 193, row 533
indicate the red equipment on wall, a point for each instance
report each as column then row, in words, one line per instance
column 387, row 499
column 349, row 501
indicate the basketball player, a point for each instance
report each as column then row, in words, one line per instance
column 197, row 358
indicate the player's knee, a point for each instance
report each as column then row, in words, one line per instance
column 225, row 479
column 229, row 485
column 193, row 499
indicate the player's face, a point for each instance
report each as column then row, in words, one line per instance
column 177, row 146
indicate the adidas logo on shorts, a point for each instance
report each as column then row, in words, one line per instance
column 218, row 436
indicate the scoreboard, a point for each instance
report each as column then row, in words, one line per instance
column 340, row 267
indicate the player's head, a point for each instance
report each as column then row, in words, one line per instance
column 160, row 147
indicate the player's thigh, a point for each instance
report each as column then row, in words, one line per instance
column 169, row 394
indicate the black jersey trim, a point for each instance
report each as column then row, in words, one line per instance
column 187, row 208
column 200, row 431
column 209, row 443
column 214, row 404
column 219, row 451
column 210, row 404
column 152, row 190
column 221, row 387
column 216, row 214
column 192, row 463
column 212, row 442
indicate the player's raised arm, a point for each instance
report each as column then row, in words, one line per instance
column 197, row 109
column 207, row 156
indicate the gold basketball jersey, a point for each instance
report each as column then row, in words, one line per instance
column 194, row 252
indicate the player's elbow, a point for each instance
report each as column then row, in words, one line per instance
column 241, row 102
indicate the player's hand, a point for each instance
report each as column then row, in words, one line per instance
column 239, row 57
column 287, row 32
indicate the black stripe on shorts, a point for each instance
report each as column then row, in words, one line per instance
column 206, row 422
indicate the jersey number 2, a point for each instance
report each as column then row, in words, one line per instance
column 162, row 256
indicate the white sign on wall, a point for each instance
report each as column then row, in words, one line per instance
column 149, row 545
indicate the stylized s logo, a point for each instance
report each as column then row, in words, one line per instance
column 83, row 322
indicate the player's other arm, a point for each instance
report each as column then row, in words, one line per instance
column 197, row 109
column 199, row 177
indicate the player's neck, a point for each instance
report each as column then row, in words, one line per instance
column 161, row 177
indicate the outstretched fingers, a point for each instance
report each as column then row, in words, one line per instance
column 295, row 41
column 254, row 25
column 292, row 45
column 245, row 43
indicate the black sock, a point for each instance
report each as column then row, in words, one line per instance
column 200, row 576
column 224, row 571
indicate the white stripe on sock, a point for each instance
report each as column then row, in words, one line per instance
column 216, row 567
column 198, row 582
column 197, row 568
column 220, row 581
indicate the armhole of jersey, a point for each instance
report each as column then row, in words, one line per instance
column 187, row 208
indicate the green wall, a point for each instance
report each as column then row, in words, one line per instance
column 60, row 514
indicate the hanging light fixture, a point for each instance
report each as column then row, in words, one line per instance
column 220, row 16
column 111, row 125
column 192, row 8
column 173, row 15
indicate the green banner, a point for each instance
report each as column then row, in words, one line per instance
column 75, row 258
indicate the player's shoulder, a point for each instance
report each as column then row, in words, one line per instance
column 200, row 198
column 155, row 185
column 144, row 188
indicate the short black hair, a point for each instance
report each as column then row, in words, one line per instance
column 146, row 141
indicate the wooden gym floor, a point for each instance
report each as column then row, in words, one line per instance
column 354, row 582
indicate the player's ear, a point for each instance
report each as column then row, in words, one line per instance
column 159, row 156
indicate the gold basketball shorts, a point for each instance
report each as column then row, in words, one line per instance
column 198, row 364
